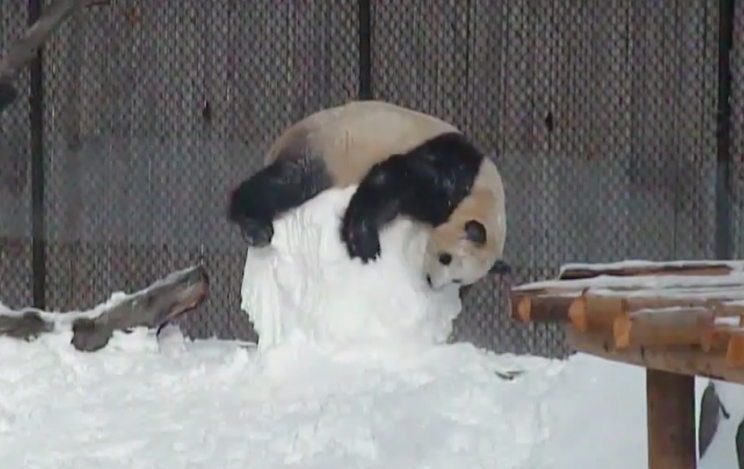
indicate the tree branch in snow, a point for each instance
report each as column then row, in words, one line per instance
column 152, row 307
column 24, row 49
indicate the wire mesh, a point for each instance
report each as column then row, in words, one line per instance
column 737, row 139
column 594, row 113
column 155, row 110
column 599, row 116
column 15, row 178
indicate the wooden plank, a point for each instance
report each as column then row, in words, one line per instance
column 577, row 273
column 666, row 327
column 541, row 309
column 670, row 400
column 690, row 361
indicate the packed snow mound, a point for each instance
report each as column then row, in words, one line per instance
column 304, row 286
column 211, row 404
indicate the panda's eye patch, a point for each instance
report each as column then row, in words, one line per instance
column 445, row 258
column 475, row 232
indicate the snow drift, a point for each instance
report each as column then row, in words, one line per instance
column 213, row 404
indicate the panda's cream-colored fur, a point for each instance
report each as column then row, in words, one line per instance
column 353, row 137
column 471, row 262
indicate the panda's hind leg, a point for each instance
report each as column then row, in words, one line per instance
column 281, row 186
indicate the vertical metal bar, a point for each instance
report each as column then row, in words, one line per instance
column 724, row 228
column 36, row 122
column 365, row 49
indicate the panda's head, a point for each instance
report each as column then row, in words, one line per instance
column 461, row 252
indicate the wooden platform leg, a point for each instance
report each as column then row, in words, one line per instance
column 670, row 401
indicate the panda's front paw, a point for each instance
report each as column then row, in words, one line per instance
column 362, row 240
column 257, row 233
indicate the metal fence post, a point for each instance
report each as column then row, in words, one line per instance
column 36, row 121
column 724, row 234
column 365, row 49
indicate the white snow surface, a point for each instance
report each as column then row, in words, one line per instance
column 216, row 405
column 316, row 398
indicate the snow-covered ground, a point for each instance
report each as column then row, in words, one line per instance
column 218, row 405
column 314, row 397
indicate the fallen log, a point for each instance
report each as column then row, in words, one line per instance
column 24, row 50
column 27, row 325
column 153, row 307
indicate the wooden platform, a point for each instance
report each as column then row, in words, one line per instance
column 677, row 319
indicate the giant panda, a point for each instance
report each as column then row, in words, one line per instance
column 405, row 163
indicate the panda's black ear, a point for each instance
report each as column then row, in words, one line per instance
column 475, row 232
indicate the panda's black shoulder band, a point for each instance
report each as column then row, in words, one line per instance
column 444, row 170
column 283, row 185
column 427, row 184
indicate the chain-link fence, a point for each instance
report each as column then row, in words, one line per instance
column 600, row 115
column 15, row 177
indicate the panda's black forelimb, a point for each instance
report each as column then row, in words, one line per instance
column 376, row 202
column 425, row 184
column 281, row 186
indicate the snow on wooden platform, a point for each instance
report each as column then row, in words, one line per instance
column 632, row 310
column 676, row 319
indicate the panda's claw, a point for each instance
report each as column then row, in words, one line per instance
column 361, row 241
column 367, row 249
column 257, row 233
